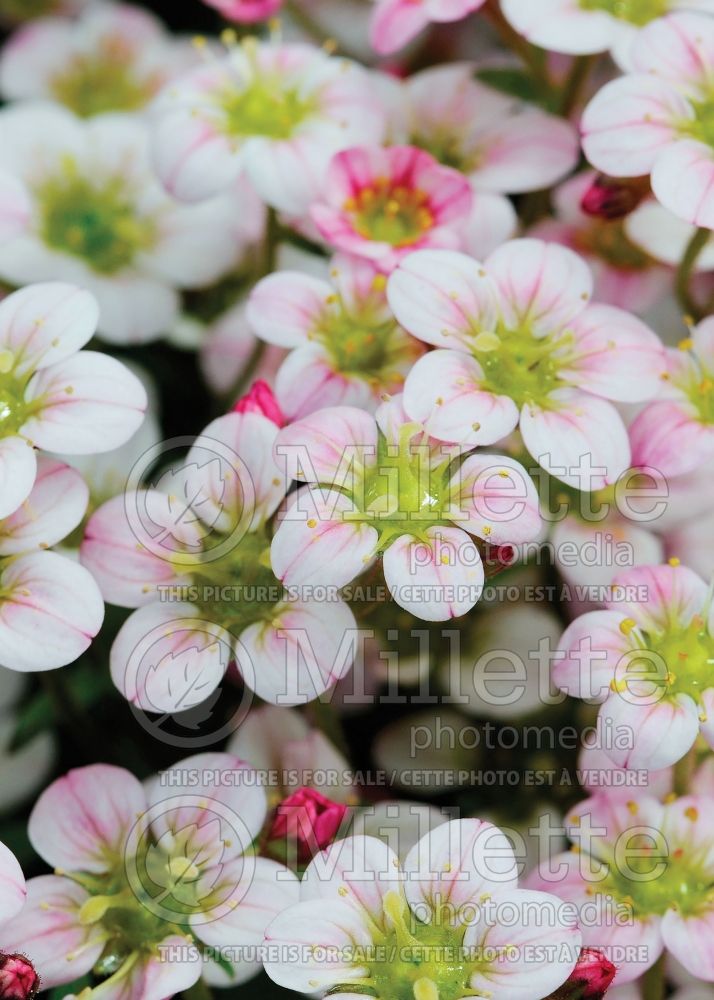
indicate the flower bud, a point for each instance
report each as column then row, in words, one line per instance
column 260, row 398
column 590, row 979
column 18, row 979
column 613, row 198
column 308, row 821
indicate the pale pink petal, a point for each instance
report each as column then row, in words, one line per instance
column 582, row 440
column 678, row 48
column 155, row 977
column 12, row 885
column 126, row 563
column 81, row 821
column 87, row 403
column 491, row 222
column 526, row 152
column 667, row 596
column 436, row 579
column 303, row 651
column 167, row 659
column 396, row 22
column 46, row 323
column 285, row 307
column 590, row 650
column 456, row 863
column 543, row 286
column 683, row 181
column 15, row 207
column 669, row 437
column 18, row 468
column 689, row 939
column 307, row 381
column 630, row 122
column 561, row 25
column 49, row 932
column 332, row 446
column 319, row 543
column 496, row 500
column 443, row 392
column 367, row 868
column 50, row 612
column 662, row 733
column 53, row 509
column 616, row 355
column 443, row 298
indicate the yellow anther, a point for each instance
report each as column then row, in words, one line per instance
column 627, row 625
column 674, row 561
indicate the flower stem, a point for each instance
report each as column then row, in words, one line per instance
column 653, row 981
column 329, row 723
column 575, row 82
column 199, row 991
column 685, row 272
column 683, row 771
column 534, row 58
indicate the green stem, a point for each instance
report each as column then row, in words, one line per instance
column 653, row 981
column 534, row 58
column 575, row 82
column 685, row 272
column 683, row 771
column 328, row 721
column 199, row 991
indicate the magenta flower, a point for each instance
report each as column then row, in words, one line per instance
column 396, row 22
column 521, row 345
column 657, row 120
column 348, row 349
column 384, row 203
column 675, row 435
column 641, row 877
column 193, row 556
column 382, row 487
column 148, row 878
column 455, row 895
column 647, row 659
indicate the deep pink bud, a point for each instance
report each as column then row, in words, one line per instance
column 497, row 558
column 18, row 979
column 614, row 197
column 590, row 979
column 260, row 398
column 246, row 11
column 308, row 821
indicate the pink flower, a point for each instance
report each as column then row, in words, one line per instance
column 114, row 57
column 657, row 119
column 640, row 877
column 50, row 608
column 503, row 145
column 246, row 11
column 456, row 894
column 308, row 822
column 278, row 112
column 587, row 220
column 260, row 398
column 192, row 554
column 347, row 347
column 381, row 487
column 520, row 344
column 384, row 203
column 396, row 22
column 151, row 877
column 579, row 27
column 53, row 395
column 675, row 435
column 647, row 659
column 18, row 979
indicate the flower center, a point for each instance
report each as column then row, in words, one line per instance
column 13, row 408
column 403, row 493
column 236, row 589
column 639, row 12
column 685, row 883
column 680, row 660
column 609, row 242
column 388, row 213
column 103, row 81
column 519, row 365
column 701, row 127
column 96, row 220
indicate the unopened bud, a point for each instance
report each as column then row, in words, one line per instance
column 309, row 821
column 260, row 398
column 590, row 979
column 614, row 197
column 18, row 979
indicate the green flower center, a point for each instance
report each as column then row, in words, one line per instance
column 14, row 411
column 639, row 12
column 96, row 220
column 104, row 80
column 651, row 885
column 678, row 661
column 701, row 127
column 698, row 384
column 236, row 589
column 517, row 364
column 387, row 213
column 609, row 242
